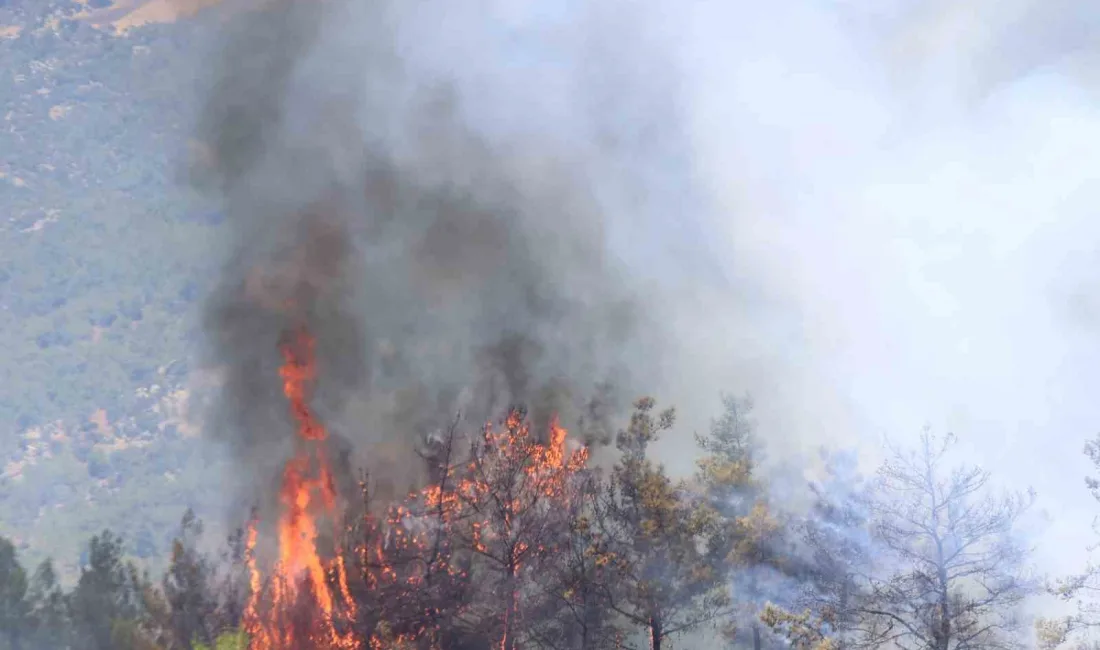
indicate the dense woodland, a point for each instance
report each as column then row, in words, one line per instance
column 519, row 542
column 103, row 257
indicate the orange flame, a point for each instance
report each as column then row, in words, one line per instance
column 308, row 494
column 308, row 490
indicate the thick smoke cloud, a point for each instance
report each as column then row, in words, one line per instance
column 911, row 187
column 871, row 218
column 440, row 226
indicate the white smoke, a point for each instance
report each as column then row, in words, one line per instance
column 871, row 216
column 913, row 186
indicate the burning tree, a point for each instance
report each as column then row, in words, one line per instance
column 280, row 613
column 409, row 584
column 517, row 492
column 457, row 564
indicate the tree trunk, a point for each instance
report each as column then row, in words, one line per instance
column 755, row 625
column 656, row 633
column 508, row 642
column 942, row 636
column 841, row 623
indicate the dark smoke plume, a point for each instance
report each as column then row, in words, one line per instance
column 442, row 268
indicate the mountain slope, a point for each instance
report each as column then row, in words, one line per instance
column 103, row 256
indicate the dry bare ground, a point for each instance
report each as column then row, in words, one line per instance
column 124, row 15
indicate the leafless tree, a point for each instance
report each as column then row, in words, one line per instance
column 956, row 571
column 1081, row 589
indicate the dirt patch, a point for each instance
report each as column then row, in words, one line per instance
column 102, row 424
column 59, row 111
column 125, row 15
column 161, row 11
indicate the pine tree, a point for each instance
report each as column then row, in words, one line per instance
column 660, row 578
column 49, row 609
column 15, row 620
column 105, row 603
column 188, row 589
column 836, row 537
column 749, row 541
column 573, row 613
column 516, row 491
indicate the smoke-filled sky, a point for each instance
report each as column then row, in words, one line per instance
column 869, row 219
column 899, row 201
column 912, row 188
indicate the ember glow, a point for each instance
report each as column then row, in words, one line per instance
column 413, row 560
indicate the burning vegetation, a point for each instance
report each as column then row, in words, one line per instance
column 393, row 264
column 307, row 496
column 485, row 555
column 517, row 542
column 401, row 578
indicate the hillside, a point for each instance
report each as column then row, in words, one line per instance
column 103, row 256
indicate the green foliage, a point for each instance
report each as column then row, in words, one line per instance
column 632, row 550
column 231, row 640
column 14, row 607
column 802, row 630
column 103, row 257
column 731, row 450
column 726, row 476
column 106, row 602
column 126, row 634
column 662, row 581
column 113, row 605
column 746, row 533
column 187, row 588
column 49, row 609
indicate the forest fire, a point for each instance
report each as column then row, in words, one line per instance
column 308, row 490
column 486, row 504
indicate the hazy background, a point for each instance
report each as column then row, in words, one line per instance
column 871, row 219
column 913, row 187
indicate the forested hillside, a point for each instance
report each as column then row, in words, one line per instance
column 431, row 426
column 102, row 259
column 518, row 543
